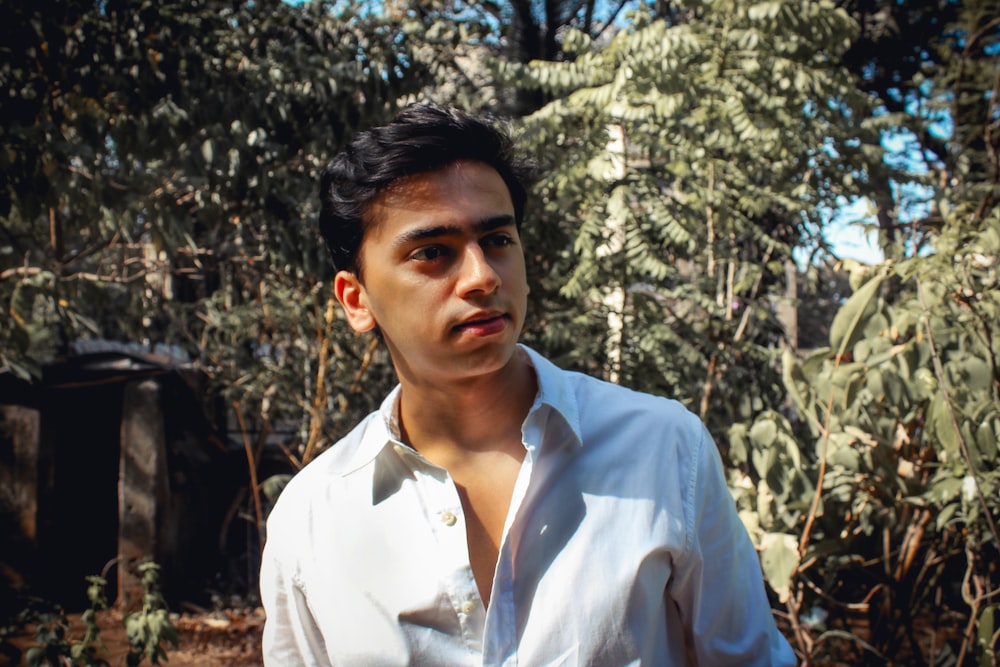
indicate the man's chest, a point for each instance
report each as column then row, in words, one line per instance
column 485, row 490
column 575, row 566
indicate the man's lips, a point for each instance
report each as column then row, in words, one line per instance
column 484, row 324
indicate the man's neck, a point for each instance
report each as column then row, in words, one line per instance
column 458, row 420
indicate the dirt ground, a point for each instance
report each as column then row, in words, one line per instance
column 232, row 638
column 228, row 638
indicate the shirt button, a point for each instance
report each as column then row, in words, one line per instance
column 448, row 518
column 468, row 607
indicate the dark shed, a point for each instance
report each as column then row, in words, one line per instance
column 108, row 460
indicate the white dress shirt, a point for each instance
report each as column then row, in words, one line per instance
column 622, row 546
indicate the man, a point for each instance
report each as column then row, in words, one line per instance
column 496, row 510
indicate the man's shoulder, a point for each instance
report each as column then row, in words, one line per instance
column 603, row 400
column 320, row 476
column 612, row 404
column 652, row 445
column 341, row 455
column 602, row 412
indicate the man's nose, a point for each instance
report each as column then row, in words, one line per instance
column 477, row 274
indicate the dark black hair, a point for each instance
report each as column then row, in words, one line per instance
column 422, row 138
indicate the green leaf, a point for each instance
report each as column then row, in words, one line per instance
column 764, row 432
column 848, row 323
column 274, row 485
column 986, row 631
column 945, row 490
column 945, row 515
column 207, row 151
column 988, row 438
column 941, row 426
column 779, row 558
column 738, row 450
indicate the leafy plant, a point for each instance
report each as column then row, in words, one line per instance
column 50, row 633
column 877, row 496
column 55, row 647
column 895, row 425
column 158, row 181
column 149, row 627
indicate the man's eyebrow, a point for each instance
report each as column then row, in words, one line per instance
column 494, row 222
column 438, row 231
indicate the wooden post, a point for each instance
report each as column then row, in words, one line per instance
column 142, row 486
column 19, row 444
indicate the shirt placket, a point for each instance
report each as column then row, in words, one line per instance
column 500, row 640
column 443, row 513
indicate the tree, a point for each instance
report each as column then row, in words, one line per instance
column 458, row 40
column 901, row 52
column 894, row 438
column 897, row 420
column 692, row 152
column 159, row 169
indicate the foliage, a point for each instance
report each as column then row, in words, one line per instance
column 879, row 492
column 159, row 163
column 50, row 634
column 890, row 509
column 55, row 647
column 85, row 652
column 456, row 38
column 850, row 471
column 930, row 67
column 678, row 240
column 147, row 628
column 150, row 626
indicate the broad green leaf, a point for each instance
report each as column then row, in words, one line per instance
column 848, row 324
column 987, row 629
column 945, row 490
column 207, row 151
column 945, row 515
column 738, row 450
column 779, row 558
column 751, row 521
column 846, row 458
column 941, row 426
column 988, row 438
column 764, row 432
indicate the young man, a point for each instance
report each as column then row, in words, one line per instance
column 496, row 510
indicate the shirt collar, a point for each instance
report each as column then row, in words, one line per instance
column 555, row 390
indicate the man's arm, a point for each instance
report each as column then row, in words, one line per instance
column 718, row 585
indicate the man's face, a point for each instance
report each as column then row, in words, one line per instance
column 443, row 274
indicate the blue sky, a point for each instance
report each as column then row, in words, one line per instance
column 848, row 237
column 852, row 230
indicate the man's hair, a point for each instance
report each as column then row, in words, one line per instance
column 422, row 138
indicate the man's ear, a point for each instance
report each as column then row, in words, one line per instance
column 354, row 300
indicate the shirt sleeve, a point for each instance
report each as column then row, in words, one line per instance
column 291, row 637
column 717, row 584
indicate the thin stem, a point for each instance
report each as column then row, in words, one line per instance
column 252, row 467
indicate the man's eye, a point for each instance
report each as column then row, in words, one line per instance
column 428, row 254
column 498, row 241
